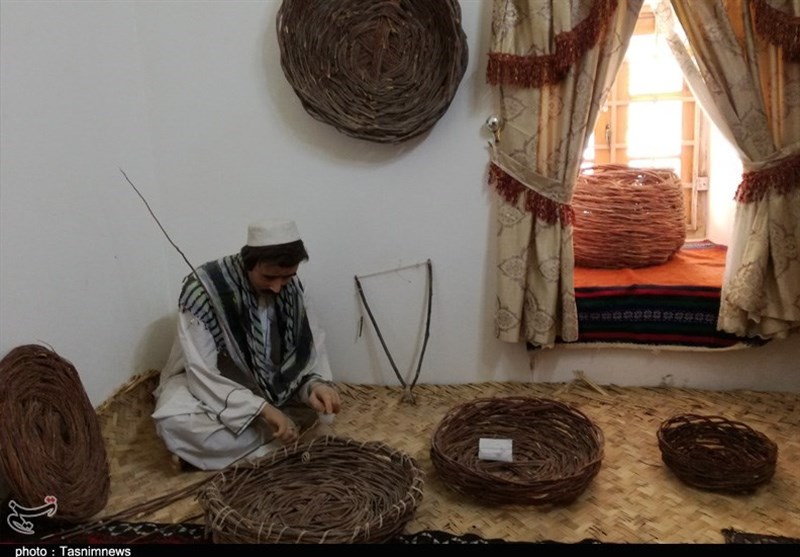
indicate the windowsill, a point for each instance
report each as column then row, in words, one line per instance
column 673, row 305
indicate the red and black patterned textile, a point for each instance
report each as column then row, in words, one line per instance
column 675, row 304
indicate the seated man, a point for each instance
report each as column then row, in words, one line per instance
column 249, row 360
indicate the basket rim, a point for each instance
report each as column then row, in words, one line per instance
column 583, row 472
column 210, row 493
column 678, row 421
column 683, row 460
column 459, row 408
column 694, row 421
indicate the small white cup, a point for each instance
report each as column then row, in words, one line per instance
column 326, row 419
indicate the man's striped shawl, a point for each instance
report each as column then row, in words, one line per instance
column 228, row 307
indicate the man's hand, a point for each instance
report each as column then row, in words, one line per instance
column 324, row 398
column 283, row 427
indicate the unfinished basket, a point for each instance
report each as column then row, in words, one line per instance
column 627, row 217
column 379, row 70
column 557, row 450
column 330, row 490
column 716, row 454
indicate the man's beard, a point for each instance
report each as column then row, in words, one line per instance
column 268, row 296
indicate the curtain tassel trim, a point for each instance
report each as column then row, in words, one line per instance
column 548, row 69
column 781, row 179
column 510, row 189
column 779, row 28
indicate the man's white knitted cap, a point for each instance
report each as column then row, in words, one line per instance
column 272, row 233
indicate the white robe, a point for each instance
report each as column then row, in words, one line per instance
column 209, row 420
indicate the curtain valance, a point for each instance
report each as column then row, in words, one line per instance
column 516, row 62
column 778, row 27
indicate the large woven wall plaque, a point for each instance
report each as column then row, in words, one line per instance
column 380, row 70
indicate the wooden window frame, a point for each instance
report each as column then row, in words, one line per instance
column 611, row 129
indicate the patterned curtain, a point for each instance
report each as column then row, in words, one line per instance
column 742, row 60
column 553, row 63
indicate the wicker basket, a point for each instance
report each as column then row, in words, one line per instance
column 716, row 454
column 379, row 70
column 51, row 445
column 330, row 490
column 627, row 217
column 557, row 450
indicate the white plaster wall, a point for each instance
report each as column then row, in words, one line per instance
column 190, row 100
column 80, row 270
column 724, row 177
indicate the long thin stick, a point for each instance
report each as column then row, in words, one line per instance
column 378, row 332
column 138, row 509
column 427, row 323
column 387, row 271
column 174, row 245
column 214, row 307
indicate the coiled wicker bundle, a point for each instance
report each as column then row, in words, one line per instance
column 716, row 454
column 379, row 70
column 50, row 439
column 557, row 450
column 330, row 490
column 627, row 217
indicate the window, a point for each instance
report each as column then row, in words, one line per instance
column 651, row 119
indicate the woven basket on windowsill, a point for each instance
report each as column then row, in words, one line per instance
column 329, row 490
column 627, row 217
column 717, row 454
column 557, row 451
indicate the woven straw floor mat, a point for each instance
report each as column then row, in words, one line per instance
column 634, row 497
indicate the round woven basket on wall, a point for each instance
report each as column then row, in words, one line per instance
column 379, row 70
column 330, row 490
column 627, row 217
column 556, row 451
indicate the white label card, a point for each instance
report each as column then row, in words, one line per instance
column 495, row 449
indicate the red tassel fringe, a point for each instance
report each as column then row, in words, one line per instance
column 510, row 189
column 548, row 69
column 778, row 28
column 781, row 179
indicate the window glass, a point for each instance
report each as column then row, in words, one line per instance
column 654, row 129
column 653, row 68
column 673, row 163
column 588, row 153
